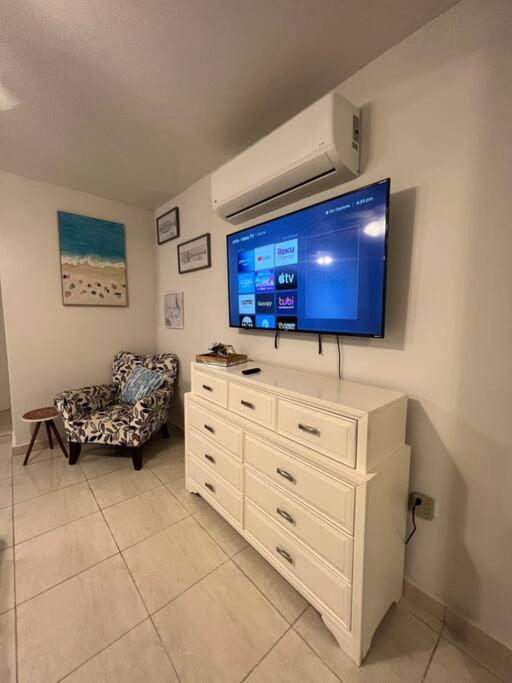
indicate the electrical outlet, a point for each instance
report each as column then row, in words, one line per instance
column 426, row 509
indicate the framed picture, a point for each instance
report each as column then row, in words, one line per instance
column 173, row 310
column 194, row 254
column 168, row 226
column 92, row 261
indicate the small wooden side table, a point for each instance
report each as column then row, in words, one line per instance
column 38, row 416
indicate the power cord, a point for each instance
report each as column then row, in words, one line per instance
column 417, row 503
column 276, row 340
column 340, row 358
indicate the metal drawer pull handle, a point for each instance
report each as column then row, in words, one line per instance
column 286, row 515
column 248, row 405
column 286, row 475
column 210, row 429
column 309, row 430
column 210, row 486
column 284, row 553
column 210, row 458
column 205, row 386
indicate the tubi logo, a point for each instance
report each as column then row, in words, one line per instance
column 264, row 257
column 286, row 278
column 286, row 302
column 286, row 252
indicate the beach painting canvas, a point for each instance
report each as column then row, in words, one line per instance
column 93, row 263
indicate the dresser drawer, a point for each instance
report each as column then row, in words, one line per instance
column 332, row 496
column 335, row 546
column 326, row 586
column 324, row 432
column 252, row 404
column 212, row 388
column 215, row 458
column 211, row 486
column 216, row 429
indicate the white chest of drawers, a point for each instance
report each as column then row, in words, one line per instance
column 313, row 472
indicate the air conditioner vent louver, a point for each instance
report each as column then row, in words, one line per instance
column 309, row 153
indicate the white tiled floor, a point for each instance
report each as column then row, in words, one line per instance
column 117, row 575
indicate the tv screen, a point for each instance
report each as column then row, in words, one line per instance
column 320, row 269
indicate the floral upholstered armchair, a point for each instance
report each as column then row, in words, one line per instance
column 96, row 414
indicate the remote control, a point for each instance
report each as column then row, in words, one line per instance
column 251, row 371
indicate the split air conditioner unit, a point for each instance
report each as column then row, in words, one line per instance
column 315, row 150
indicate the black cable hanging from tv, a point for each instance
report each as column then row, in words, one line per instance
column 340, row 358
column 276, row 340
column 320, row 344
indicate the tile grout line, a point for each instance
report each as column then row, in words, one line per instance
column 63, row 678
column 418, row 618
column 312, row 649
column 266, row 653
column 431, row 657
column 210, row 535
column 261, row 591
column 68, row 578
column 85, row 569
column 16, row 663
column 471, row 657
column 48, row 493
column 39, row 495
column 105, row 507
column 136, row 588
column 146, row 538
column 441, row 637
column 59, row 526
column 166, row 604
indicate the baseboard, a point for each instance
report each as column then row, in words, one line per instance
column 39, row 445
column 430, row 603
column 462, row 632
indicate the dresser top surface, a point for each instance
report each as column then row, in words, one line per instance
column 362, row 398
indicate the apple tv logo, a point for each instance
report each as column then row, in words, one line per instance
column 285, row 278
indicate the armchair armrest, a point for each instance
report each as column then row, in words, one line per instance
column 74, row 404
column 153, row 404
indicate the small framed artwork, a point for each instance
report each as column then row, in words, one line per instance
column 173, row 310
column 168, row 226
column 194, row 254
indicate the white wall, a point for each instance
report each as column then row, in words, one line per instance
column 52, row 347
column 5, row 399
column 437, row 121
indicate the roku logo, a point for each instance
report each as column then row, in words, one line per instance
column 286, row 252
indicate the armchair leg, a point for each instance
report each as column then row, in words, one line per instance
column 164, row 431
column 74, row 452
column 137, row 458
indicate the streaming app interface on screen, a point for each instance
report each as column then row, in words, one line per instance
column 318, row 269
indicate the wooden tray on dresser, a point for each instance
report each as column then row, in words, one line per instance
column 221, row 361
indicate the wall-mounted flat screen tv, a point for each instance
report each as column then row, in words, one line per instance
column 320, row 269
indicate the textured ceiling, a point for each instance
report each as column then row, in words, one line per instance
column 135, row 100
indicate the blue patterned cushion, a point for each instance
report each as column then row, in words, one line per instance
column 140, row 383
